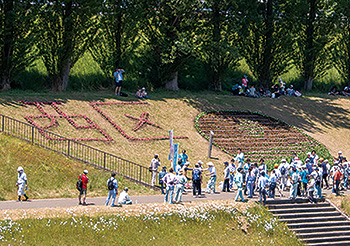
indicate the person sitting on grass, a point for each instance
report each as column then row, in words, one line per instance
column 144, row 93
column 124, row 197
column 138, row 94
column 290, row 91
column 334, row 91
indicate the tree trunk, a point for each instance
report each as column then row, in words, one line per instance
column 7, row 46
column 173, row 85
column 215, row 84
column 56, row 83
column 308, row 84
column 65, row 74
column 309, row 59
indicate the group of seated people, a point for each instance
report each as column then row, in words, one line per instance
column 335, row 92
column 141, row 93
column 275, row 92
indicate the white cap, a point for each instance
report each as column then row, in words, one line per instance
column 187, row 164
column 283, row 160
column 308, row 153
column 210, row 164
column 19, row 169
column 86, row 171
column 200, row 162
column 340, row 152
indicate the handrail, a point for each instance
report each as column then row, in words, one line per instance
column 76, row 150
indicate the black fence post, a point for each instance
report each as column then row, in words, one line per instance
column 32, row 134
column 104, row 160
column 68, row 147
column 3, row 124
column 140, row 173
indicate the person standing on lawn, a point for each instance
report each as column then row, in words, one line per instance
column 161, row 176
column 85, row 181
column 226, row 186
column 112, row 185
column 212, row 173
column 118, row 76
column 170, row 181
column 197, row 180
column 155, row 163
column 181, row 180
column 239, row 183
column 21, row 184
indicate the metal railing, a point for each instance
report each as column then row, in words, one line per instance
column 76, row 150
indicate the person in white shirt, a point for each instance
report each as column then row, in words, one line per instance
column 212, row 173
column 155, row 163
column 262, row 166
column 124, row 197
column 170, row 181
column 21, row 184
column 294, row 182
column 262, row 182
column 239, row 183
column 181, row 180
column 112, row 185
column 240, row 158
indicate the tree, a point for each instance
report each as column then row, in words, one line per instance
column 341, row 45
column 16, row 39
column 218, row 39
column 167, row 30
column 63, row 28
column 264, row 38
column 314, row 29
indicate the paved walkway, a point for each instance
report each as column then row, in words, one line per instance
column 91, row 201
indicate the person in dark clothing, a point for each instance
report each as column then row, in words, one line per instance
column 324, row 173
column 197, row 181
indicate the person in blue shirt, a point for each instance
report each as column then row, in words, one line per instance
column 118, row 76
column 304, row 173
column 262, row 182
column 184, row 157
column 239, row 158
column 161, row 176
column 250, row 182
column 239, row 183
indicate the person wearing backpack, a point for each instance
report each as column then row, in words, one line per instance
column 170, row 181
column 85, row 180
column 112, row 186
column 197, row 181
column 161, row 176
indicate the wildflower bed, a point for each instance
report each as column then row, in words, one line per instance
column 258, row 135
column 156, row 224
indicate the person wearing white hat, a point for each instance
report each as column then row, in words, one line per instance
column 21, row 184
column 85, row 180
column 212, row 173
column 340, row 156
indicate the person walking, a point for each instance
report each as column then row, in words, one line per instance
column 262, row 182
column 118, row 76
column 160, row 177
column 212, row 173
column 112, row 185
column 312, row 189
column 85, row 181
column 21, row 184
column 170, row 181
column 181, row 180
column 284, row 170
column 304, row 174
column 239, row 183
column 337, row 178
column 272, row 184
column 250, row 182
column 239, row 157
column 226, row 186
column 294, row 182
column 232, row 167
column 124, row 197
column 197, row 181
column 155, row 163
column 323, row 165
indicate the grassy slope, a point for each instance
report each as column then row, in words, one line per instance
column 49, row 174
column 324, row 118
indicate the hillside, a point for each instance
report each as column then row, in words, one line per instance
column 322, row 117
column 50, row 175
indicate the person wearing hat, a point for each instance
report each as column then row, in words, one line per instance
column 144, row 93
column 197, row 180
column 294, row 182
column 337, row 178
column 346, row 169
column 311, row 189
column 85, row 181
column 21, row 184
column 181, row 180
column 212, row 173
column 160, row 177
column 272, row 184
column 170, row 181
column 112, row 185
column 186, row 168
column 155, row 163
column 340, row 156
column 239, row 183
column 124, row 197
column 226, row 186
column 317, row 176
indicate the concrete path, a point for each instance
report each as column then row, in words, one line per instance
column 91, row 201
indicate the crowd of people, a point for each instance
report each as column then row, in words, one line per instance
column 304, row 178
column 335, row 92
column 276, row 91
